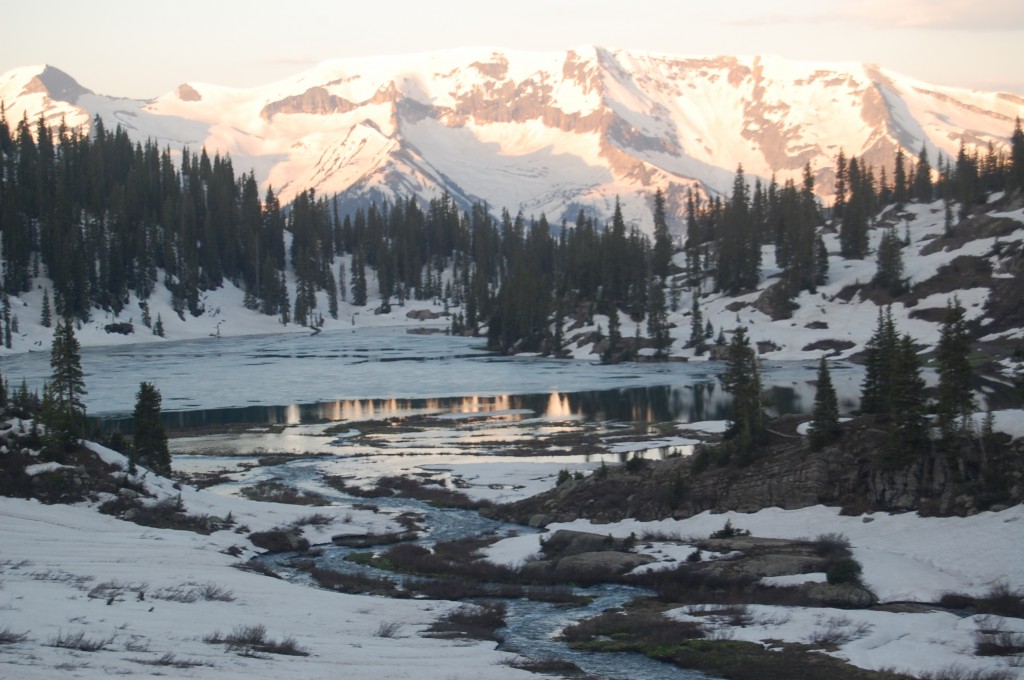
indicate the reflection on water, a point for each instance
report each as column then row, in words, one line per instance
column 696, row 402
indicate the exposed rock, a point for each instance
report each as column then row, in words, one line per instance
column 423, row 314
column 279, row 540
column 605, row 562
column 564, row 543
column 845, row 596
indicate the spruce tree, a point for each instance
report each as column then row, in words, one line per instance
column 956, row 399
column 657, row 319
column 1015, row 174
column 881, row 350
column 923, row 189
column 661, row 256
column 66, row 388
column 824, row 427
column 908, row 424
column 149, row 438
column 698, row 332
column 889, row 275
column 743, row 380
column 158, row 326
column 46, row 317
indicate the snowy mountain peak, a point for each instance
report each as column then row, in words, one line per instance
column 547, row 132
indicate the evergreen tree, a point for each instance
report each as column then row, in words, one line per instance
column 657, row 319
column 824, row 427
column 158, row 326
column 889, row 275
column 149, row 438
column 956, row 399
column 698, row 333
column 46, row 315
column 923, row 189
column 66, row 388
column 1015, row 175
column 358, row 280
column 661, row 256
column 840, row 187
column 881, row 351
column 742, row 379
column 615, row 349
column 908, row 424
column 899, row 179
column 853, row 231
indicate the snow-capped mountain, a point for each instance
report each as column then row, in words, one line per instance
column 542, row 132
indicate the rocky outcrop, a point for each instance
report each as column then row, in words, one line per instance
column 575, row 555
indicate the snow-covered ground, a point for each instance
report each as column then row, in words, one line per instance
column 906, row 558
column 66, row 570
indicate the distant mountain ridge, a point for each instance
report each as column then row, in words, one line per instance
column 542, row 132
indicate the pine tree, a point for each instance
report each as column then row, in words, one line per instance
column 66, row 388
column 661, row 256
column 158, row 326
column 824, row 427
column 657, row 319
column 698, row 333
column 881, row 350
column 908, row 424
column 956, row 399
column 889, row 275
column 743, row 380
column 613, row 353
column 899, row 179
column 923, row 190
column 46, row 317
column 1015, row 175
column 149, row 438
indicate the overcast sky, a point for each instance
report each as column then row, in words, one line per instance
column 142, row 49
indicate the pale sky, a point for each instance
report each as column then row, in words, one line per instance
column 142, row 49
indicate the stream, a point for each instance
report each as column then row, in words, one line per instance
column 532, row 626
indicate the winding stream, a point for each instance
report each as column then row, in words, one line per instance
column 532, row 627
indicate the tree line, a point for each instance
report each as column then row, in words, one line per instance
column 105, row 218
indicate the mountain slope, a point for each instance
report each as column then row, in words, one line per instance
column 542, row 132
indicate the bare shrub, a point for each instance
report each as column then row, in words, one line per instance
column 316, row 520
column 9, row 637
column 647, row 627
column 832, row 545
column 388, row 629
column 172, row 661
column 191, row 592
column 961, row 673
column 253, row 641
column 79, row 641
column 546, row 665
column 272, row 491
column 473, row 621
column 838, row 631
column 993, row 639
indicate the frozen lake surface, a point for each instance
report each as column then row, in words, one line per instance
column 373, row 366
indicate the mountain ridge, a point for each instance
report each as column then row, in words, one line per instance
column 543, row 132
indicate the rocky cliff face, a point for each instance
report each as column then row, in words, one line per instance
column 788, row 475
